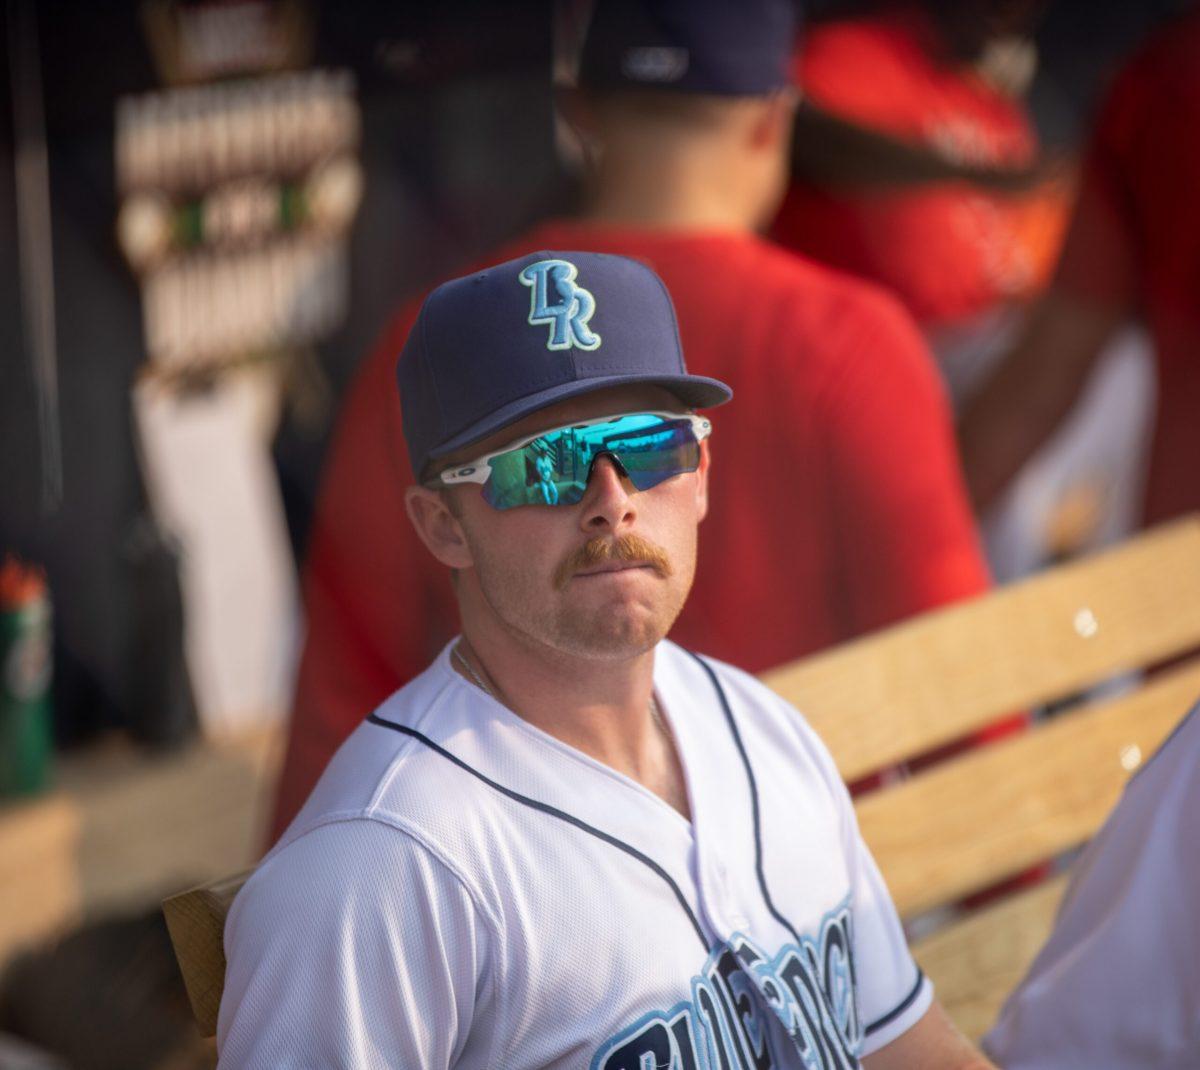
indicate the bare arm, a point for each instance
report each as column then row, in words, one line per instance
column 1031, row 394
column 1098, row 286
column 932, row 1044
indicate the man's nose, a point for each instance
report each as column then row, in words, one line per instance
column 608, row 503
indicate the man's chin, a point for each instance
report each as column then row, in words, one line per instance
column 614, row 634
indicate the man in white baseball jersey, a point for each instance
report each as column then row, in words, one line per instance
column 1118, row 982
column 570, row 843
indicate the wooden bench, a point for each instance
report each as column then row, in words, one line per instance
column 984, row 815
column 41, row 890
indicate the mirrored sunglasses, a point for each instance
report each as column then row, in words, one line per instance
column 552, row 467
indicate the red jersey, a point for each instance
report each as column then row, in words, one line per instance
column 1134, row 243
column 949, row 251
column 836, row 502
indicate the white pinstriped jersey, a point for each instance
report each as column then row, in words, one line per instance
column 464, row 890
column 1118, row 983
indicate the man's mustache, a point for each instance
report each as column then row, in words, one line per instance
column 630, row 549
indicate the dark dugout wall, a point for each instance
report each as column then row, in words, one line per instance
column 458, row 153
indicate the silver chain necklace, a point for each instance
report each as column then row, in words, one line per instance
column 456, row 652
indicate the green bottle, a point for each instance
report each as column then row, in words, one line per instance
column 25, row 736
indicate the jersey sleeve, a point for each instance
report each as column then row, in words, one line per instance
column 1117, row 983
column 900, row 508
column 377, row 606
column 893, row 992
column 355, row 946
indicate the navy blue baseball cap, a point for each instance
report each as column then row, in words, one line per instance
column 719, row 47
column 490, row 348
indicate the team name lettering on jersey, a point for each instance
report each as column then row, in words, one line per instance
column 568, row 317
column 811, row 989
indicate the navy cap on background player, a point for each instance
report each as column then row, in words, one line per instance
column 721, row 47
column 492, row 347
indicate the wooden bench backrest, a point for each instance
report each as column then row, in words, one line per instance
column 988, row 813
column 196, row 923
column 992, row 812
column 939, row 676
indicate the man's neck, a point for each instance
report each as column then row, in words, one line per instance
column 598, row 706
column 665, row 193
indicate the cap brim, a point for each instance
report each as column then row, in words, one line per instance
column 695, row 391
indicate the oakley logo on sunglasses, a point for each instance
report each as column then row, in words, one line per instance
column 568, row 318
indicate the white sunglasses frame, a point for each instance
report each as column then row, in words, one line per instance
column 480, row 469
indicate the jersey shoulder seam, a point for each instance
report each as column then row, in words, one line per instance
column 407, row 747
column 412, row 832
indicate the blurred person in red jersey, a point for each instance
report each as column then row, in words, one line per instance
column 917, row 166
column 841, row 505
column 938, row 197
column 1132, row 251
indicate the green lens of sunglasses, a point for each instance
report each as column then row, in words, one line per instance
column 554, row 468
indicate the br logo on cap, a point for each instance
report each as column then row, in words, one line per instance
column 568, row 319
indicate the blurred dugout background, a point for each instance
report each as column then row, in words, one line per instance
column 232, row 198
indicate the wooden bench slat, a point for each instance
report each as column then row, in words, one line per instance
column 927, row 681
column 975, row 963
column 994, row 811
column 196, row 923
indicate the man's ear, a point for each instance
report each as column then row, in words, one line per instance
column 773, row 121
column 438, row 527
column 702, row 481
column 576, row 126
column 575, row 108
